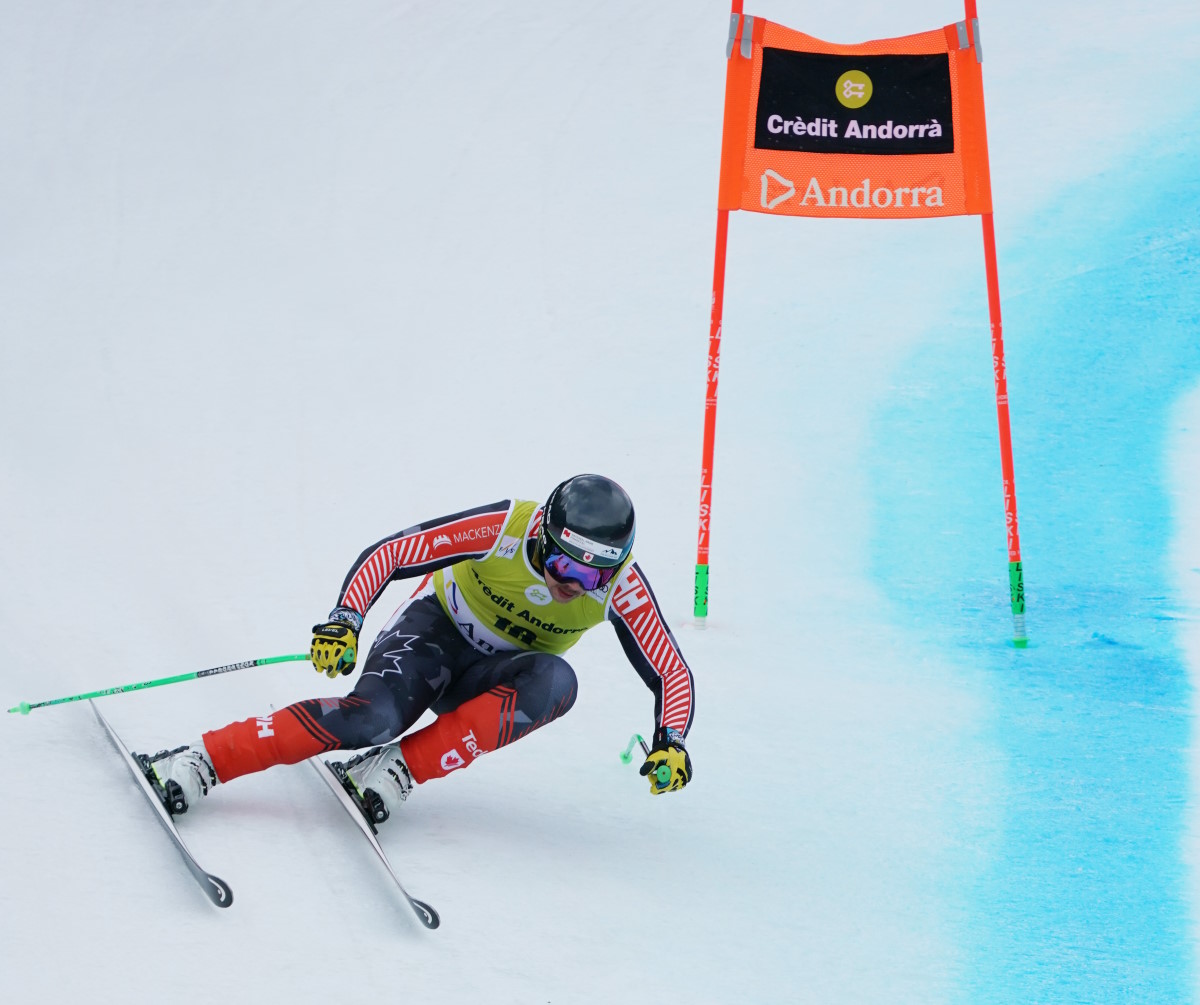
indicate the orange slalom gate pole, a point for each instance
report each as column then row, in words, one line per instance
column 1016, row 577
column 710, row 414
column 700, row 599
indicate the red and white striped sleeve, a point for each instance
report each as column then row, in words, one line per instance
column 420, row 550
column 652, row 650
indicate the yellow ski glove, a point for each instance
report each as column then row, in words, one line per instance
column 335, row 644
column 667, row 765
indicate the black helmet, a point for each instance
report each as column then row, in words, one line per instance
column 590, row 518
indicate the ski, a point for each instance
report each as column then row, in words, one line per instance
column 332, row 777
column 216, row 889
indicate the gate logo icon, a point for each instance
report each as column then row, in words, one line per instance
column 777, row 184
column 854, row 89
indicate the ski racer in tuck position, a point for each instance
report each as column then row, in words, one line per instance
column 505, row 589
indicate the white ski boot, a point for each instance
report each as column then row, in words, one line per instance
column 183, row 775
column 380, row 781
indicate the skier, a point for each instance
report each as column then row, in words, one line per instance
column 505, row 590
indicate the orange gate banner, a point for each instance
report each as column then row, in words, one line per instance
column 887, row 129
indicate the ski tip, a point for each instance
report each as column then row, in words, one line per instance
column 429, row 917
column 219, row 892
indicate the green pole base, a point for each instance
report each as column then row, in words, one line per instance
column 700, row 608
column 1016, row 593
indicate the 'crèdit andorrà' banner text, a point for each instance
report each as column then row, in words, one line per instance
column 890, row 128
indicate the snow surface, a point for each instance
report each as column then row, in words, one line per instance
column 278, row 279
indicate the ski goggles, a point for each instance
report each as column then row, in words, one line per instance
column 566, row 569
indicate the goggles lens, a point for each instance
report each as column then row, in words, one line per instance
column 564, row 568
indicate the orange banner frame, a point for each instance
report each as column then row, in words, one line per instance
column 856, row 184
column 957, row 183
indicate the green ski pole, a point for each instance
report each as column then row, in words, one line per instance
column 25, row 707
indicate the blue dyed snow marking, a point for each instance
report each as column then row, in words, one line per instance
column 1080, row 892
